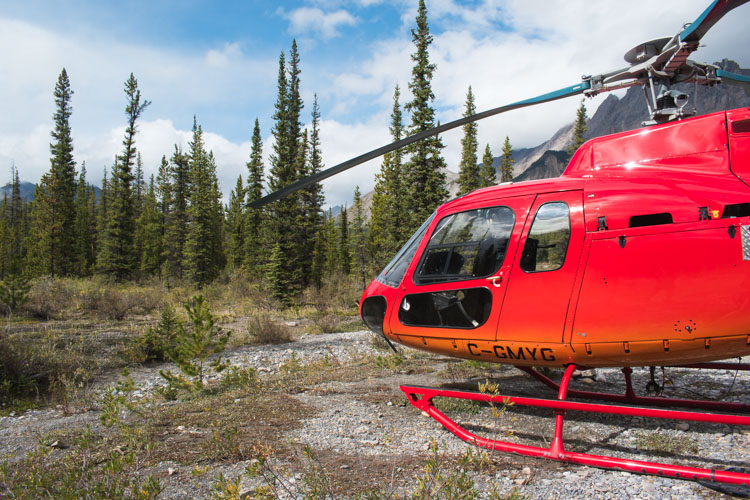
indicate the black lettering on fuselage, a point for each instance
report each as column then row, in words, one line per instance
column 469, row 346
column 517, row 355
column 501, row 354
column 508, row 352
column 547, row 354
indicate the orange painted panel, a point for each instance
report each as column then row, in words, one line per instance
column 686, row 285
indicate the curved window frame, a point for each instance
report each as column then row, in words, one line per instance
column 403, row 258
column 426, row 303
column 528, row 234
column 459, row 278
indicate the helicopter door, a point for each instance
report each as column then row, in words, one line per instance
column 454, row 286
column 543, row 274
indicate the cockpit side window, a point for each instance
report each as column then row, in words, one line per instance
column 394, row 272
column 547, row 242
column 466, row 245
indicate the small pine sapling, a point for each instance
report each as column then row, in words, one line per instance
column 193, row 347
column 157, row 342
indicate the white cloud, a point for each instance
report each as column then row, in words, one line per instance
column 230, row 53
column 217, row 84
column 313, row 20
column 543, row 46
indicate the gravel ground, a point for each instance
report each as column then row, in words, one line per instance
column 367, row 427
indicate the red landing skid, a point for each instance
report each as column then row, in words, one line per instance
column 726, row 481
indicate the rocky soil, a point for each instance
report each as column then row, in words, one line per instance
column 365, row 429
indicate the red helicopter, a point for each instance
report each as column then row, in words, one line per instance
column 638, row 255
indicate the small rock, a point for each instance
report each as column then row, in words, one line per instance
column 344, row 466
column 600, row 377
column 521, row 482
column 588, row 381
column 682, row 426
column 425, row 414
column 526, row 471
column 171, row 472
column 291, row 323
column 390, row 403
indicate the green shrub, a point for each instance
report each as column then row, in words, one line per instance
column 157, row 342
column 194, row 346
column 265, row 330
column 14, row 292
column 326, row 322
column 114, row 302
column 48, row 297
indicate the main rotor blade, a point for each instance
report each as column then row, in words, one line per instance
column 324, row 174
column 734, row 79
column 709, row 17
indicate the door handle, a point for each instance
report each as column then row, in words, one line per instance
column 496, row 280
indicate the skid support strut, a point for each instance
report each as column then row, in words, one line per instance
column 421, row 398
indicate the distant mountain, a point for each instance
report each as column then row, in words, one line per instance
column 618, row 115
column 552, row 163
column 27, row 190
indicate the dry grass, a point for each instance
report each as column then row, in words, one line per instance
column 264, row 329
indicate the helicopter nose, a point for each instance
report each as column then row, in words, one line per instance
column 373, row 312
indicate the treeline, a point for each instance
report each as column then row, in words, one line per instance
column 174, row 226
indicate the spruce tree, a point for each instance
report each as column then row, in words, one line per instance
column 359, row 239
column 312, row 197
column 17, row 237
column 164, row 197
column 579, row 128
column 93, row 219
column 235, row 224
column 318, row 263
column 194, row 346
column 55, row 213
column 117, row 258
column 176, row 217
column 139, row 186
column 101, row 214
column 331, row 268
column 39, row 258
column 14, row 282
column 255, row 254
column 286, row 215
column 426, row 168
column 506, row 162
column 148, row 234
column 344, row 253
column 4, row 236
column 386, row 229
column 468, row 168
column 487, row 173
column 203, row 255
column 85, row 226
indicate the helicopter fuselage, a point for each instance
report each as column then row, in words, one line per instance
column 639, row 254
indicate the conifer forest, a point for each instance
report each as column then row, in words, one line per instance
column 162, row 338
column 176, row 228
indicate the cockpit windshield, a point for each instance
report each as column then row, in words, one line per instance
column 396, row 268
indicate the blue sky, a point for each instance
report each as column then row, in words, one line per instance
column 219, row 60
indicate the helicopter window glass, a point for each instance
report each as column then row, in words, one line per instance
column 466, row 245
column 468, row 308
column 396, row 268
column 650, row 220
column 547, row 242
